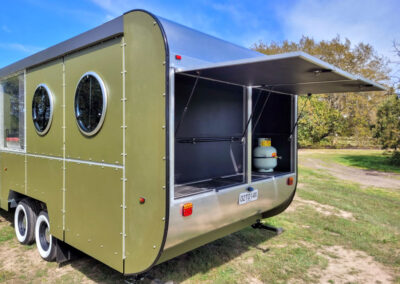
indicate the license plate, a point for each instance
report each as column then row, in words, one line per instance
column 247, row 197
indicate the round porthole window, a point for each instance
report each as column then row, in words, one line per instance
column 42, row 109
column 90, row 103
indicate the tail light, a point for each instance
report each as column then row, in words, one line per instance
column 290, row 181
column 187, row 209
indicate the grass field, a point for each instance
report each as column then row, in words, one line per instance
column 339, row 229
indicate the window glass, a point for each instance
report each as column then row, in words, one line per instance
column 90, row 103
column 12, row 113
column 42, row 109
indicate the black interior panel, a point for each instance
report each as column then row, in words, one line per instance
column 207, row 142
column 275, row 123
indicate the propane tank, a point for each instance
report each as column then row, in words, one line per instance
column 265, row 156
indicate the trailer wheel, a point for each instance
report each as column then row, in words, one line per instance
column 44, row 241
column 24, row 222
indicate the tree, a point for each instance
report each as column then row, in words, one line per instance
column 319, row 121
column 387, row 129
column 357, row 110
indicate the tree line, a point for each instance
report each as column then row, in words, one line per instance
column 339, row 120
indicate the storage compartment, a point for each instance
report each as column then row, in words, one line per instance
column 272, row 118
column 209, row 145
column 210, row 134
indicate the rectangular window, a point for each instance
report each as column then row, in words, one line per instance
column 12, row 113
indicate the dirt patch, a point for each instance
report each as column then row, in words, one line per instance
column 364, row 177
column 323, row 209
column 350, row 266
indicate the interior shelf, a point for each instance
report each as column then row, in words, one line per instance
column 188, row 189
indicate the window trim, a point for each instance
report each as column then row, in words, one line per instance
column 50, row 94
column 3, row 147
column 104, row 95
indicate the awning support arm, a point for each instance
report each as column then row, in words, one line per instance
column 262, row 110
column 300, row 116
column 186, row 106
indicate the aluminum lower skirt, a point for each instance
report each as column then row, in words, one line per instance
column 218, row 208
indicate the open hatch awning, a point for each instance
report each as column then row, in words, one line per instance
column 292, row 73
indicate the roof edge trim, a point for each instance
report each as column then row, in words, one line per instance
column 98, row 34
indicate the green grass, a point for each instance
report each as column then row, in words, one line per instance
column 6, row 234
column 6, row 275
column 377, row 162
column 366, row 159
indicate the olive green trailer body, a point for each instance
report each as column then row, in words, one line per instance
column 117, row 195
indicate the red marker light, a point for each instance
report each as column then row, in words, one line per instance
column 178, row 57
column 142, row 200
column 290, row 181
column 187, row 209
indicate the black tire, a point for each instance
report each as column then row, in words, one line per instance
column 46, row 243
column 24, row 221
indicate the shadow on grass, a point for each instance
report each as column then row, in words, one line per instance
column 370, row 162
column 198, row 261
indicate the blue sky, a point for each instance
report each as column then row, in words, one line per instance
column 28, row 26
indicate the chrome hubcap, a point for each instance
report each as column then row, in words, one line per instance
column 47, row 235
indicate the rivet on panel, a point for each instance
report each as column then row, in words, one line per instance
column 163, row 218
column 164, row 158
column 154, row 246
column 163, row 127
column 164, row 187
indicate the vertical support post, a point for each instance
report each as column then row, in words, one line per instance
column 24, row 140
column 172, row 134
column 249, row 91
column 123, row 73
column 63, row 145
column 294, row 137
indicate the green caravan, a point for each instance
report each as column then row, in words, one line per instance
column 143, row 139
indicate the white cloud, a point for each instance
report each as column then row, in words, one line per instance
column 369, row 21
column 6, row 29
column 28, row 49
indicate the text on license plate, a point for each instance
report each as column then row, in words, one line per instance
column 247, row 197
